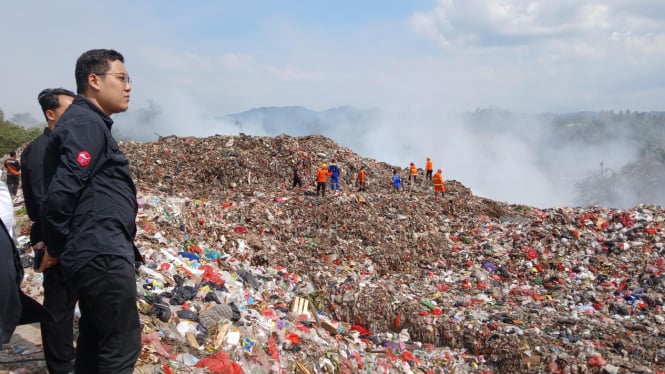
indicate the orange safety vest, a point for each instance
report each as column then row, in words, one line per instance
column 361, row 176
column 429, row 166
column 13, row 166
column 439, row 184
column 322, row 175
column 414, row 170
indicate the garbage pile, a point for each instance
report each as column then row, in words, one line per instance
column 245, row 274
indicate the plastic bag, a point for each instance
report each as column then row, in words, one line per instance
column 153, row 340
column 220, row 363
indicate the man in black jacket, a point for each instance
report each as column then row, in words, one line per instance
column 58, row 335
column 88, row 215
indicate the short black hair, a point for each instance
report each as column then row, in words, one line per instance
column 94, row 61
column 48, row 98
column 12, row 154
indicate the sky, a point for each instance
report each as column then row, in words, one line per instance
column 418, row 61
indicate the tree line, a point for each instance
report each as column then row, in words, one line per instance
column 12, row 135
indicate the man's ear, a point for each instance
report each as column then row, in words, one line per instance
column 93, row 81
column 50, row 115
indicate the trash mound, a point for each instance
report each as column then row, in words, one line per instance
column 245, row 274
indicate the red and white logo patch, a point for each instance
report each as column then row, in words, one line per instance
column 84, row 158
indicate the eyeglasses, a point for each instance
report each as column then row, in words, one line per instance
column 122, row 76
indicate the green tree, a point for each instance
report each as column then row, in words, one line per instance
column 12, row 136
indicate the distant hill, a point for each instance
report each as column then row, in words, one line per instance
column 547, row 159
column 336, row 123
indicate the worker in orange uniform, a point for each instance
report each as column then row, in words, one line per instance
column 429, row 168
column 321, row 178
column 439, row 184
column 413, row 172
column 13, row 167
column 362, row 179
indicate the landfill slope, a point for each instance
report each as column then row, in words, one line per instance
column 401, row 282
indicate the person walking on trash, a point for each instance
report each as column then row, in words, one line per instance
column 429, row 169
column 362, row 179
column 413, row 172
column 334, row 175
column 297, row 181
column 321, row 179
column 439, row 184
column 397, row 181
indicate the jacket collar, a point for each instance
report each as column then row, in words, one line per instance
column 82, row 100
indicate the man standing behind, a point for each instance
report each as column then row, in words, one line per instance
column 334, row 175
column 57, row 335
column 13, row 167
column 88, row 215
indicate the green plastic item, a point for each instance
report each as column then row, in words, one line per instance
column 428, row 304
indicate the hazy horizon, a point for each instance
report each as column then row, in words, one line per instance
column 508, row 160
column 419, row 62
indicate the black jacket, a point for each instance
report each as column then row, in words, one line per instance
column 89, row 206
column 32, row 181
column 16, row 308
column 11, row 275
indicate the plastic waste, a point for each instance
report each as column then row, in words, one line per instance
column 187, row 359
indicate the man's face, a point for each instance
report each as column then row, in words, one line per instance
column 114, row 89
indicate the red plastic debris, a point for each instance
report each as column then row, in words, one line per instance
column 209, row 274
column 293, row 338
column 597, row 361
column 220, row 363
column 240, row 230
column 360, row 329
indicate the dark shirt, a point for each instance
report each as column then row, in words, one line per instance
column 16, row 308
column 32, row 181
column 89, row 207
column 11, row 275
